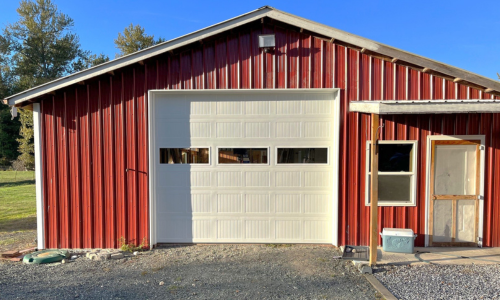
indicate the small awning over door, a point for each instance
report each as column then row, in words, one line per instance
column 425, row 107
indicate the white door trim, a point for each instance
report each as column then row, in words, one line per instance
column 152, row 146
column 431, row 138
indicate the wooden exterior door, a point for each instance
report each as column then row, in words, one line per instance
column 454, row 193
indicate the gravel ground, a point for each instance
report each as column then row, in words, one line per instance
column 441, row 281
column 194, row 272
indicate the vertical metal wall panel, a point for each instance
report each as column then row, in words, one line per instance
column 327, row 74
column 353, row 143
column 268, row 62
column 256, row 59
column 292, row 60
column 75, row 221
column 185, row 70
column 173, row 73
column 494, row 203
column 119, row 158
column 95, row 136
column 316, row 63
column 197, row 66
column 107, row 165
column 364, row 77
column 209, row 66
column 131, row 153
column 280, row 57
column 221, row 63
column 142, row 156
column 233, row 61
column 304, row 61
column 340, row 82
column 245, row 60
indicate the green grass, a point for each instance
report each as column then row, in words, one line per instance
column 17, row 201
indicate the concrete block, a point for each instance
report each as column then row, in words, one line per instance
column 363, row 267
column 117, row 256
column 104, row 255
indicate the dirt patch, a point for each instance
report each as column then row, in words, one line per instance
column 17, row 240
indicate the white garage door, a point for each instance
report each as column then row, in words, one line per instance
column 243, row 166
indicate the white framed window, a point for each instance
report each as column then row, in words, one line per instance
column 302, row 155
column 397, row 173
column 242, row 155
column 174, row 156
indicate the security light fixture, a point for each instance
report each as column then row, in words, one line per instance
column 267, row 41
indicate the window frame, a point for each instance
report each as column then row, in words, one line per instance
column 242, row 147
column 191, row 147
column 302, row 147
column 413, row 174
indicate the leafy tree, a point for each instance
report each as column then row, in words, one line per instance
column 9, row 128
column 133, row 39
column 38, row 48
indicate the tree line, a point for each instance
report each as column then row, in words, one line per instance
column 40, row 47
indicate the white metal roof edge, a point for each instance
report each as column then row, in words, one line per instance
column 265, row 11
column 425, row 106
column 138, row 56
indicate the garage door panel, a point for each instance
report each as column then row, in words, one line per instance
column 229, row 229
column 317, row 179
column 257, row 178
column 257, row 203
column 288, row 178
column 229, row 107
column 288, row 129
column 257, row 229
column 289, row 230
column 246, row 202
column 229, row 203
column 229, row 179
column 201, row 203
column 173, row 176
column 288, row 203
column 318, row 107
column 228, row 129
column 317, row 204
column 176, row 108
column 175, row 229
column 257, row 107
column 257, row 129
column 317, row 129
column 316, row 230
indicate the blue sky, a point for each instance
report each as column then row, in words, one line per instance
column 461, row 33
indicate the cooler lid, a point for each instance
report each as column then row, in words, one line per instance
column 398, row 232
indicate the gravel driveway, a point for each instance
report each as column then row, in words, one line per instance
column 441, row 281
column 194, row 272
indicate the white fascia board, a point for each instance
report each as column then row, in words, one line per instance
column 138, row 56
column 425, row 107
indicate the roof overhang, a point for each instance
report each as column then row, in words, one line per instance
column 425, row 107
column 366, row 46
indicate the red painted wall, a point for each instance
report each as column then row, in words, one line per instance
column 95, row 136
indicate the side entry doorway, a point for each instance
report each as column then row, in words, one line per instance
column 454, row 193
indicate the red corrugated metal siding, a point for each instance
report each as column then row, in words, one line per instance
column 95, row 136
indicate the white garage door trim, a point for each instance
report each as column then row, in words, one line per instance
column 153, row 97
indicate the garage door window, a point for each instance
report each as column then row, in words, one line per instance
column 396, row 173
column 243, row 155
column 184, row 155
column 302, row 155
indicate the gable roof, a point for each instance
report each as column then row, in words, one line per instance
column 364, row 45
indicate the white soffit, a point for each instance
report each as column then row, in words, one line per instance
column 425, row 107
